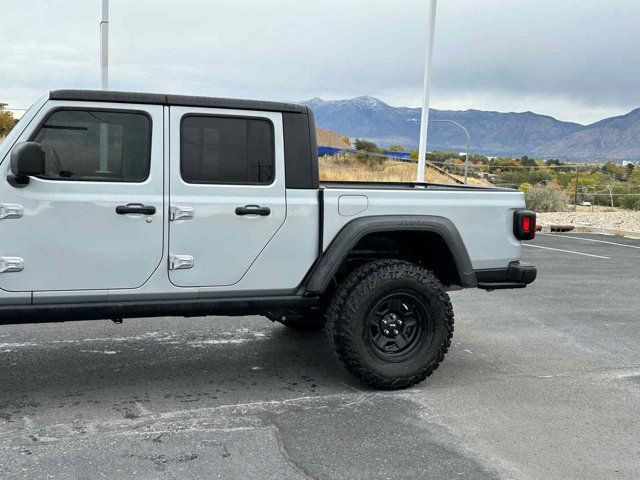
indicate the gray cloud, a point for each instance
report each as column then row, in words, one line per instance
column 573, row 59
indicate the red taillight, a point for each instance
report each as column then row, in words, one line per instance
column 524, row 225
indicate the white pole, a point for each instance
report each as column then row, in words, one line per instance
column 104, row 71
column 104, row 45
column 424, row 121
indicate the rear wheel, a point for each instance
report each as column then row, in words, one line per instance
column 390, row 323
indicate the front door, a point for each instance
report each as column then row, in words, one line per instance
column 76, row 226
column 227, row 193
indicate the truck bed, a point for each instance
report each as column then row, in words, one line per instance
column 482, row 215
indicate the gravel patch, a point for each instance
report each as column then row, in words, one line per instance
column 625, row 220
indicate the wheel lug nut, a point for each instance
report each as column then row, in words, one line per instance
column 399, row 322
column 395, row 332
column 384, row 322
column 386, row 332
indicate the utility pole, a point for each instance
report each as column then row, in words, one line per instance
column 424, row 121
column 575, row 200
column 104, row 45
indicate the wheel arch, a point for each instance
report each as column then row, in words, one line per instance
column 444, row 250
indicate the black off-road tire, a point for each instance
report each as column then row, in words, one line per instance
column 350, row 323
column 306, row 321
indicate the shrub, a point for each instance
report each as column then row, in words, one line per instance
column 630, row 202
column 546, row 199
column 366, row 146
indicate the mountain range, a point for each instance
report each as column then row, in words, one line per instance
column 492, row 133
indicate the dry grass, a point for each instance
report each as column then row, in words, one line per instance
column 350, row 168
column 385, row 172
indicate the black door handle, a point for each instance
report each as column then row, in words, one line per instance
column 253, row 210
column 135, row 208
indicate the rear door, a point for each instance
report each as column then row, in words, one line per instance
column 74, row 228
column 227, row 192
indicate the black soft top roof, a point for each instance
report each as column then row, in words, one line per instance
column 175, row 100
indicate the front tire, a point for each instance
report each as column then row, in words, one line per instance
column 390, row 323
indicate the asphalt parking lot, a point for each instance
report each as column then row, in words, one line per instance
column 541, row 383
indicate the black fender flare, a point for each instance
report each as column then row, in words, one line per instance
column 328, row 264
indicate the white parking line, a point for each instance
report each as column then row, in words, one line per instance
column 590, row 240
column 567, row 251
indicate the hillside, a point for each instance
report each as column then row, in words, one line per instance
column 327, row 138
column 492, row 133
column 613, row 138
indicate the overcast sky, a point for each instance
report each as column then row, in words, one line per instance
column 575, row 60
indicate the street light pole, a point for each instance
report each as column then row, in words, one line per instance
column 424, row 121
column 104, row 45
column 466, row 154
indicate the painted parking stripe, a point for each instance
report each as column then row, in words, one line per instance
column 567, row 251
column 590, row 240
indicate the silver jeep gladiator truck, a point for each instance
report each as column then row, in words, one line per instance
column 120, row 205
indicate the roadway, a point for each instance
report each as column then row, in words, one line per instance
column 539, row 383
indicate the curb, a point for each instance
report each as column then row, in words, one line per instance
column 615, row 233
column 585, row 229
column 556, row 228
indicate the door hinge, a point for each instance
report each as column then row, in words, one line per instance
column 181, row 213
column 180, row 262
column 11, row 264
column 8, row 210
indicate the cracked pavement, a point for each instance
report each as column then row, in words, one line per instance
column 539, row 383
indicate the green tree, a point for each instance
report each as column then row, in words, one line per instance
column 527, row 162
column 7, row 122
column 609, row 168
column 366, row 146
column 634, row 177
column 630, row 168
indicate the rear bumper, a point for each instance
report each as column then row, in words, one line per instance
column 516, row 275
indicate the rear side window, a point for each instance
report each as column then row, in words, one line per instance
column 94, row 145
column 226, row 150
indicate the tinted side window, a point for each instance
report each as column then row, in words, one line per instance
column 226, row 150
column 96, row 146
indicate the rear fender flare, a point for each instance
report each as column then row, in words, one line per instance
column 328, row 264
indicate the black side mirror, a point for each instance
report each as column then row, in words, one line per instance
column 27, row 159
